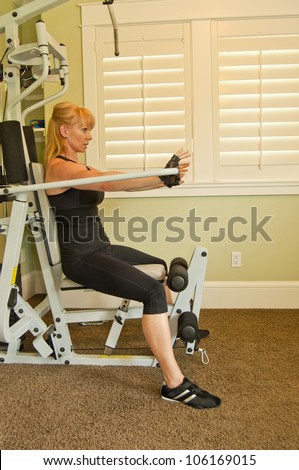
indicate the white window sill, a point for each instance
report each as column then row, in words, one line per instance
column 244, row 188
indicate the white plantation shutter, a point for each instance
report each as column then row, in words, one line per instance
column 144, row 95
column 226, row 89
column 258, row 98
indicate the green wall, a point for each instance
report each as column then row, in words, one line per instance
column 264, row 229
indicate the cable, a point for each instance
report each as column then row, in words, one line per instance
column 114, row 24
column 7, row 49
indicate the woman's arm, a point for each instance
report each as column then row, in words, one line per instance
column 60, row 170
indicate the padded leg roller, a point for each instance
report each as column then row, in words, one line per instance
column 188, row 329
column 177, row 279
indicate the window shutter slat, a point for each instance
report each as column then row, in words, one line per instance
column 144, row 99
column 258, row 96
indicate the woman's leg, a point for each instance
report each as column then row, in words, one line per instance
column 157, row 333
column 176, row 388
column 111, row 273
column 116, row 277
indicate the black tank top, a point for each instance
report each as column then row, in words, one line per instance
column 80, row 229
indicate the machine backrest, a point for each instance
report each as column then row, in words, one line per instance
column 46, row 212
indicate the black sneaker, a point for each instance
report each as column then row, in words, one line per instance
column 189, row 394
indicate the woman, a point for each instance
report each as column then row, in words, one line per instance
column 89, row 258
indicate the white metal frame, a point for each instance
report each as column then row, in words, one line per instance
column 52, row 342
column 35, row 54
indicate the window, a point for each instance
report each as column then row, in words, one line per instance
column 226, row 89
column 143, row 98
column 257, row 107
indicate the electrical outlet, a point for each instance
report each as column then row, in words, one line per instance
column 236, row 259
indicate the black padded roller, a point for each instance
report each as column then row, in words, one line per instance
column 30, row 142
column 13, row 152
column 188, row 327
column 177, row 279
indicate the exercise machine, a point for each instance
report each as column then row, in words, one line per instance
column 30, row 218
column 30, row 208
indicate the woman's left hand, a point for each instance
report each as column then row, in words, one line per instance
column 183, row 166
column 176, row 162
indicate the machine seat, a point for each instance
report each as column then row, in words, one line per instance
column 157, row 271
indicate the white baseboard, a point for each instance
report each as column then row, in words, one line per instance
column 32, row 284
column 216, row 294
column 251, row 294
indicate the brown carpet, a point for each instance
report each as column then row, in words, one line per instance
column 253, row 368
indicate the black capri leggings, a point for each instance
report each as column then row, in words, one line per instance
column 111, row 271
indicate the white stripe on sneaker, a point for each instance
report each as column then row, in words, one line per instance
column 177, row 397
column 189, row 398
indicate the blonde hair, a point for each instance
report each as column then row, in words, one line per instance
column 68, row 114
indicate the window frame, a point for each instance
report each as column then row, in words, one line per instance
column 204, row 125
